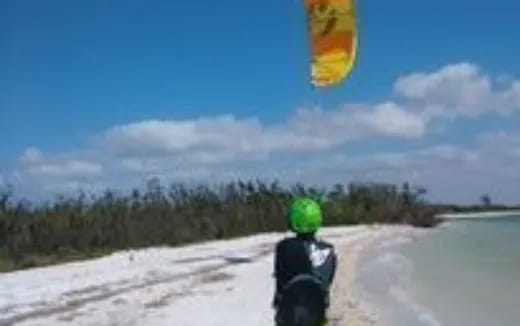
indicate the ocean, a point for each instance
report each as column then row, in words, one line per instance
column 466, row 272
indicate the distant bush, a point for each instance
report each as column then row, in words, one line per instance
column 86, row 225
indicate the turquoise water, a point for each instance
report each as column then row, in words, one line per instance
column 466, row 272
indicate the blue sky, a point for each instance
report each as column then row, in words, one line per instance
column 78, row 77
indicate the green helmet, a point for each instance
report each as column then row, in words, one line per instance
column 304, row 215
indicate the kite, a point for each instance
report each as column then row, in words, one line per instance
column 333, row 40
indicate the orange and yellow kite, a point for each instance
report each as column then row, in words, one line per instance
column 333, row 38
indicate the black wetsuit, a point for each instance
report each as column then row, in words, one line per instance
column 302, row 255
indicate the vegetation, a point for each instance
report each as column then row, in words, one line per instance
column 88, row 225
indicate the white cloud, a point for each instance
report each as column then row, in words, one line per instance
column 226, row 139
column 454, row 91
column 155, row 137
column 35, row 164
column 504, row 142
column 41, row 176
column 31, row 156
column 389, row 119
column 209, row 148
column 450, row 173
column 459, row 90
column 454, row 85
column 66, row 169
column 507, row 137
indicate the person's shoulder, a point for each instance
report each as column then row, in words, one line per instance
column 285, row 242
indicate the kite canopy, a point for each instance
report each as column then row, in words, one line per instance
column 333, row 38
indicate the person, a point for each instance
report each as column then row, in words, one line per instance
column 304, row 268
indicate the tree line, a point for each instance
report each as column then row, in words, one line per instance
column 85, row 225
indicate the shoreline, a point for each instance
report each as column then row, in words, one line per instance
column 347, row 307
column 479, row 215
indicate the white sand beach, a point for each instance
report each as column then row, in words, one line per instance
column 209, row 284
